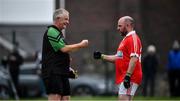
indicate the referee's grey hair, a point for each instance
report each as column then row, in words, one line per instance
column 59, row 12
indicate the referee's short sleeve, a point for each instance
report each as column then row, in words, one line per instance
column 55, row 38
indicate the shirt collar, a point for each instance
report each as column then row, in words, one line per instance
column 130, row 33
column 54, row 27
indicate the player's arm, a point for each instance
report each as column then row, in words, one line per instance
column 74, row 47
column 130, row 70
column 132, row 64
column 109, row 58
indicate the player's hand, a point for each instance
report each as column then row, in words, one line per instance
column 73, row 73
column 97, row 55
column 127, row 81
column 84, row 43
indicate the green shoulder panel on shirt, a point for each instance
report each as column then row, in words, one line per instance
column 55, row 39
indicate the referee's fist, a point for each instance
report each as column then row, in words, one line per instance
column 84, row 43
column 97, row 55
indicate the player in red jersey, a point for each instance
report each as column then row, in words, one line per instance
column 127, row 59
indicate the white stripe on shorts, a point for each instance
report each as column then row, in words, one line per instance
column 130, row 91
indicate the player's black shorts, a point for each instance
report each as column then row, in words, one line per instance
column 56, row 84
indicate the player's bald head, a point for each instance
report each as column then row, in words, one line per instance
column 127, row 20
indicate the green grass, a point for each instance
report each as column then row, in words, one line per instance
column 115, row 98
column 97, row 98
column 109, row 98
column 157, row 98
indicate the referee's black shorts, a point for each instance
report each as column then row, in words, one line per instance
column 56, row 84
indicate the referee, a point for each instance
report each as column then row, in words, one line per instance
column 55, row 58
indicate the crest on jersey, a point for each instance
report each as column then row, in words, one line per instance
column 119, row 54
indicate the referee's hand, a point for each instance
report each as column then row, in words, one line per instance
column 84, row 43
column 73, row 73
column 127, row 81
column 97, row 55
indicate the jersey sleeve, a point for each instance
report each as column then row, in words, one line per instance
column 55, row 39
column 133, row 46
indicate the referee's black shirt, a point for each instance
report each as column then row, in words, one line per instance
column 54, row 61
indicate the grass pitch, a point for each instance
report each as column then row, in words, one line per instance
column 109, row 98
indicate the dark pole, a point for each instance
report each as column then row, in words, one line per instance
column 106, row 48
column 14, row 37
column 11, row 82
column 57, row 2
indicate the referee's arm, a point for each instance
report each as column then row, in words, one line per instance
column 74, row 47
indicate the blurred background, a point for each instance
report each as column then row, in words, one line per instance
column 23, row 23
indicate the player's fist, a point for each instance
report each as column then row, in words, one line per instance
column 84, row 43
column 127, row 81
column 97, row 55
